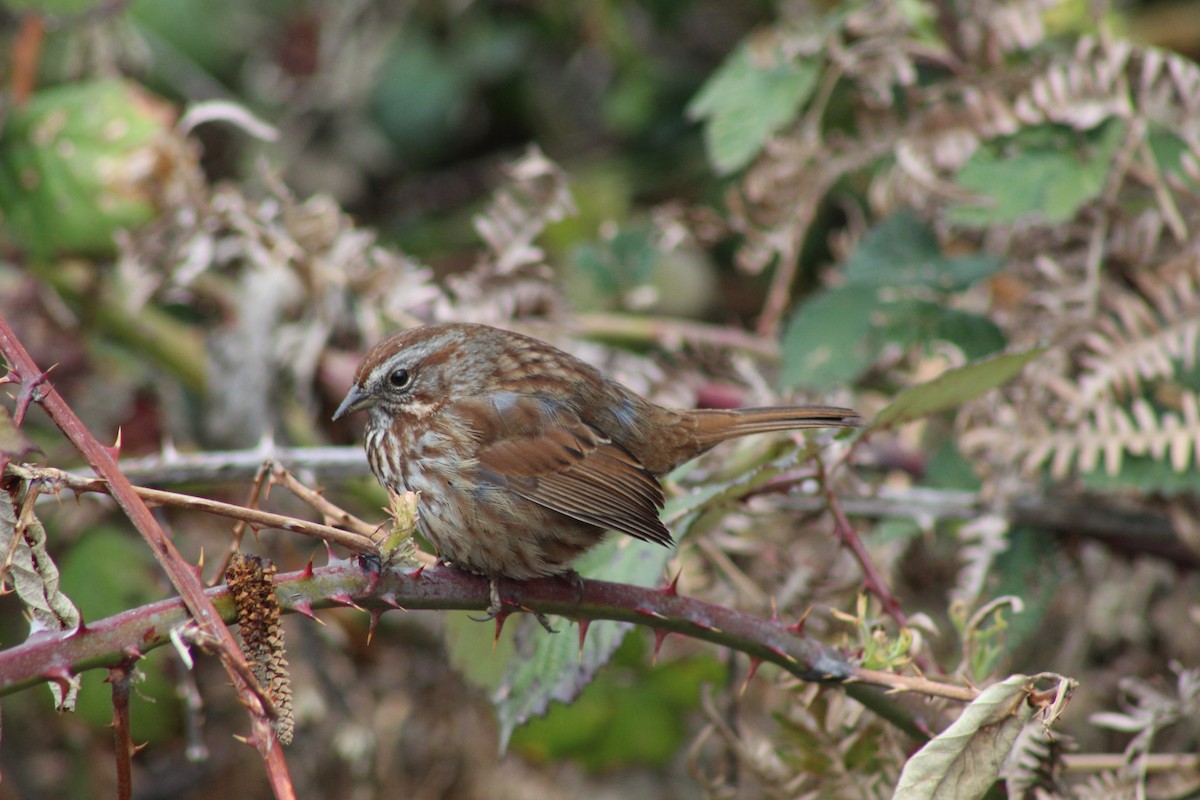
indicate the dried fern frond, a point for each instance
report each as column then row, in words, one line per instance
column 1112, row 431
column 1032, row 763
column 1143, row 336
column 1120, row 389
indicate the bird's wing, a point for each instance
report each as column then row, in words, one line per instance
column 542, row 451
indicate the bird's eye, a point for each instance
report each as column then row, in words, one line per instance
column 399, row 378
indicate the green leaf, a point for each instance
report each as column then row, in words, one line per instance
column 546, row 667
column 974, row 334
column 107, row 572
column 633, row 713
column 754, row 94
column 954, row 387
column 1047, row 172
column 964, row 760
column 829, row 339
column 947, row 468
column 1169, row 150
column 836, row 335
column 903, row 251
column 1030, row 568
column 618, row 263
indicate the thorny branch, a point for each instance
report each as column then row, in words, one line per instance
column 345, row 583
column 183, row 577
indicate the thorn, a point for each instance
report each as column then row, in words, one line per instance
column 755, row 663
column 61, row 676
column 200, row 561
column 671, row 589
column 390, row 599
column 137, row 748
column 115, row 449
column 242, row 739
column 306, row 609
column 797, row 627
column 307, row 572
column 132, row 653
column 329, row 555
column 500, row 618
column 376, row 613
column 345, row 599
column 584, row 624
column 774, row 611
column 30, row 394
column 660, row 636
column 420, row 571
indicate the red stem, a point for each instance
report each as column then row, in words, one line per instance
column 850, row 539
column 182, row 575
column 119, row 677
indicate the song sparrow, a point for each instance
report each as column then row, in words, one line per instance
column 524, row 456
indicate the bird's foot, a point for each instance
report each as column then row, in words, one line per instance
column 576, row 580
column 496, row 606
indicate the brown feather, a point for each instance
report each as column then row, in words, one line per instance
column 546, row 454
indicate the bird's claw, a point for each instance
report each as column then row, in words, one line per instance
column 496, row 606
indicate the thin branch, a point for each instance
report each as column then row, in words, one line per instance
column 121, row 678
column 355, row 542
column 915, row 684
column 330, row 512
column 849, row 538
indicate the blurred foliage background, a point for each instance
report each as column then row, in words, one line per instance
column 211, row 208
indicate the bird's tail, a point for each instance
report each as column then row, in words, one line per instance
column 717, row 425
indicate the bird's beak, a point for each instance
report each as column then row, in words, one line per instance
column 356, row 400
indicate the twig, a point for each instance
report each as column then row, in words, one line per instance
column 121, row 678
column 914, row 683
column 183, row 577
column 241, row 526
column 331, row 513
column 356, row 542
column 849, row 537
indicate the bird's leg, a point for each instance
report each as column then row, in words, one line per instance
column 576, row 580
column 496, row 607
